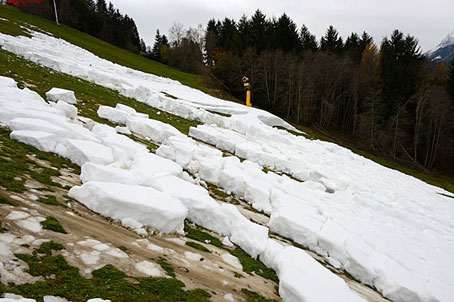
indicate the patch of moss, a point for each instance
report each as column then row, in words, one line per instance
column 2, row 230
column 255, row 297
column 166, row 267
column 251, row 265
column 202, row 236
column 25, row 245
column 44, row 178
column 107, row 283
column 197, row 246
column 47, row 247
column 123, row 248
column 237, row 275
column 53, row 224
column 51, row 200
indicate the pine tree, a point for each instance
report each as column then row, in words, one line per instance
column 451, row 80
column 402, row 67
column 365, row 40
column 259, row 29
column 244, row 35
column 308, row 40
column 286, row 35
column 352, row 46
column 331, row 41
column 156, row 51
column 228, row 35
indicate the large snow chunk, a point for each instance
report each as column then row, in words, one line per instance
column 124, row 149
column 203, row 210
column 96, row 172
column 59, row 94
column 41, row 140
column 144, row 204
column 82, row 151
column 70, row 111
column 148, row 166
column 296, row 221
column 302, row 278
column 34, row 124
column 268, row 256
column 112, row 114
column 251, row 237
column 155, row 130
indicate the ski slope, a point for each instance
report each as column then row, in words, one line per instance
column 385, row 228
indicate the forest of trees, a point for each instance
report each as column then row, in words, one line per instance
column 388, row 97
column 98, row 19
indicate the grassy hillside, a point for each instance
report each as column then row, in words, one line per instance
column 102, row 49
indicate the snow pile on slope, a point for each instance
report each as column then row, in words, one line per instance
column 166, row 94
column 59, row 94
column 36, row 123
column 146, row 189
column 318, row 212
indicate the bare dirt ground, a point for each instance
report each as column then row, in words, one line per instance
column 94, row 241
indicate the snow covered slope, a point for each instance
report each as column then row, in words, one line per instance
column 387, row 229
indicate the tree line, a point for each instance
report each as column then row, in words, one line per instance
column 387, row 96
column 98, row 19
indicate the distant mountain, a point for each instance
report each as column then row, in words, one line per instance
column 444, row 50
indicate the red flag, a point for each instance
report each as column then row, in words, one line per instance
column 22, row 3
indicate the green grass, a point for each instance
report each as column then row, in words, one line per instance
column 5, row 200
column 255, row 297
column 107, row 283
column 51, row 200
column 53, row 224
column 251, row 265
column 102, row 49
column 197, row 246
column 47, row 247
column 202, row 236
column 166, row 266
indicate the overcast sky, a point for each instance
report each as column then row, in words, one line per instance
column 429, row 21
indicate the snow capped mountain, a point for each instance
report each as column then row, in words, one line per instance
column 444, row 50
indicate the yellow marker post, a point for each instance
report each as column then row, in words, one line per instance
column 247, row 86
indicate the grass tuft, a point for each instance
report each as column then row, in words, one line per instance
column 197, row 246
column 251, row 265
column 51, row 200
column 47, row 247
column 166, row 267
column 5, row 200
column 53, row 224
column 255, row 297
column 202, row 236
